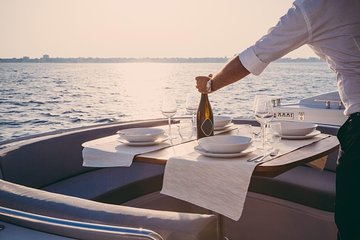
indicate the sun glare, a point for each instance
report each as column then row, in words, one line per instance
column 144, row 84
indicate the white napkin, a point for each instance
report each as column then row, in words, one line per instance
column 110, row 152
column 218, row 184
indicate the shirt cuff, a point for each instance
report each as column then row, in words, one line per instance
column 251, row 62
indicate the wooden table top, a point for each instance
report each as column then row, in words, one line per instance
column 274, row 167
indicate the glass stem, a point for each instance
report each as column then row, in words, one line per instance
column 263, row 127
column 169, row 121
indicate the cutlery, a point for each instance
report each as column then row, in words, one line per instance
column 271, row 154
column 255, row 158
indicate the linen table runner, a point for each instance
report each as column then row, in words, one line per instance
column 218, row 184
column 109, row 152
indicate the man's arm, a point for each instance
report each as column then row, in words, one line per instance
column 232, row 72
column 291, row 32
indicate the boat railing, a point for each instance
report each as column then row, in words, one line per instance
column 329, row 101
column 137, row 233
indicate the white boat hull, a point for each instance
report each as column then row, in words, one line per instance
column 323, row 109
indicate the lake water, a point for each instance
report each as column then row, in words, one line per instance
column 42, row 97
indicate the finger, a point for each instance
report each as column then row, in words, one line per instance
column 202, row 78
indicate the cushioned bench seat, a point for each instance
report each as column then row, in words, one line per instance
column 170, row 225
column 55, row 165
column 303, row 185
column 106, row 184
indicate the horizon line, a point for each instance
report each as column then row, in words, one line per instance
column 47, row 56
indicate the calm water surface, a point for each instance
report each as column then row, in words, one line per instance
column 37, row 98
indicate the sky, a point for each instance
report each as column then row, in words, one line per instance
column 136, row 28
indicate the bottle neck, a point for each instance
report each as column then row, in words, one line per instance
column 204, row 96
column 203, row 100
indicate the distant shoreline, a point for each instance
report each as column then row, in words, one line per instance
column 47, row 59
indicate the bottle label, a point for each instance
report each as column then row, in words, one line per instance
column 207, row 127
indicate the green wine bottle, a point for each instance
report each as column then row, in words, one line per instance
column 204, row 118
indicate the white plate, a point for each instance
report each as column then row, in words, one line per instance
column 224, row 155
column 144, row 134
column 293, row 128
column 157, row 141
column 310, row 135
column 223, row 127
column 220, row 121
column 225, row 143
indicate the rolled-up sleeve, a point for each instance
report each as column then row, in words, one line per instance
column 292, row 31
column 252, row 62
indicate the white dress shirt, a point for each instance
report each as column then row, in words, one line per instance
column 331, row 28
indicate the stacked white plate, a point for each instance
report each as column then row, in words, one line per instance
column 296, row 130
column 142, row 136
column 225, row 146
column 222, row 122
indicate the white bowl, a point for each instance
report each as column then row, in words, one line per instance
column 294, row 128
column 141, row 134
column 225, row 144
column 221, row 121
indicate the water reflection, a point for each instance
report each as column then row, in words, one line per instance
column 72, row 95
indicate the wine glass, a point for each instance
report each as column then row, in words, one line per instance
column 186, row 130
column 191, row 105
column 274, row 136
column 168, row 109
column 264, row 113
